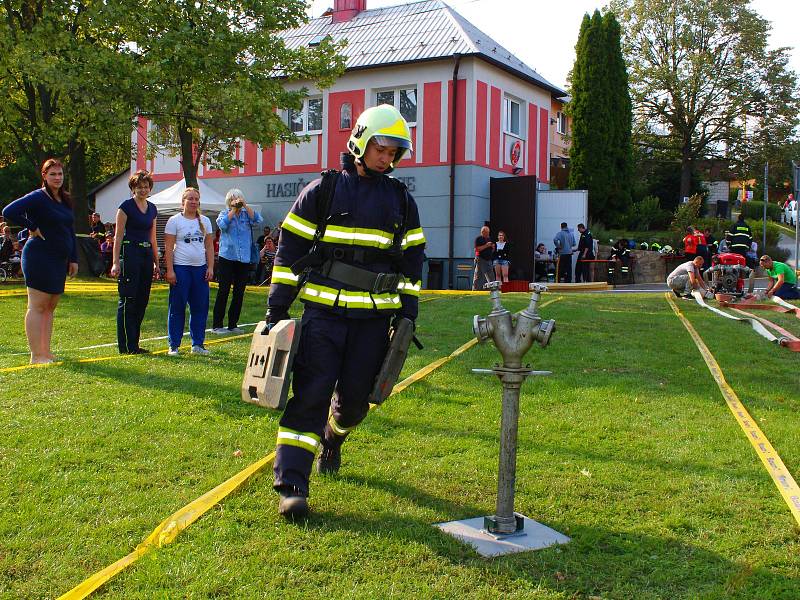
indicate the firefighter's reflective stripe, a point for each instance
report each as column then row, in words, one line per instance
column 357, row 236
column 409, row 287
column 386, row 301
column 413, row 237
column 284, row 275
column 313, row 292
column 321, row 294
column 306, row 440
column 338, row 429
column 300, row 226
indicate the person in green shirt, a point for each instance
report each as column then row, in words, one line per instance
column 782, row 279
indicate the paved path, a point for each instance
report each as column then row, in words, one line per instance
column 786, row 242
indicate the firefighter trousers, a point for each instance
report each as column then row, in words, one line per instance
column 335, row 354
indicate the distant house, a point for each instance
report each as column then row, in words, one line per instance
column 475, row 110
column 560, row 141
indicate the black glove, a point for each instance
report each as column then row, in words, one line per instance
column 276, row 314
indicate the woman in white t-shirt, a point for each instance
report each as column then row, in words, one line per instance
column 189, row 257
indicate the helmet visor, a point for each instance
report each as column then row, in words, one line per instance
column 389, row 140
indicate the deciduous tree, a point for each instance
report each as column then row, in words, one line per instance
column 214, row 73
column 703, row 82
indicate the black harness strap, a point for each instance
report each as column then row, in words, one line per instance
column 328, row 260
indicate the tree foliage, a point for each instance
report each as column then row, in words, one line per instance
column 214, row 73
column 704, row 84
column 600, row 155
column 63, row 79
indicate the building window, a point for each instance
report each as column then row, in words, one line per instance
column 561, row 123
column 308, row 120
column 346, row 116
column 511, row 116
column 405, row 99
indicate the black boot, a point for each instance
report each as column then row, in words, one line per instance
column 293, row 504
column 330, row 459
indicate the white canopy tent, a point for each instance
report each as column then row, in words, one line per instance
column 168, row 201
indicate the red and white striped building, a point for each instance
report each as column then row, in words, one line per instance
column 475, row 111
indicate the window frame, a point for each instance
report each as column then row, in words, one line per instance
column 304, row 112
column 507, row 101
column 561, row 122
column 396, row 95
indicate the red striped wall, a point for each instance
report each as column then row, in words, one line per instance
column 496, row 108
column 481, row 102
column 533, row 128
column 250, row 158
column 461, row 120
column 337, row 138
column 432, row 123
column 544, row 142
column 141, row 144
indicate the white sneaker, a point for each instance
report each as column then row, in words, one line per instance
column 200, row 350
column 235, row 330
column 219, row 331
column 172, row 352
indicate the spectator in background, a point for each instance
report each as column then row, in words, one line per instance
column 134, row 258
column 6, row 243
column 23, row 236
column 275, row 234
column 500, row 257
column 702, row 248
column 752, row 255
column 235, row 255
column 585, row 252
column 259, row 272
column 48, row 257
column 266, row 262
column 741, row 237
column 619, row 262
column 564, row 243
column 189, row 256
column 725, row 243
column 543, row 263
column 265, row 235
column 484, row 250
column 97, row 230
column 690, row 244
column 711, row 242
column 107, row 251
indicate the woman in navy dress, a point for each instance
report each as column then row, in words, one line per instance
column 49, row 254
column 134, row 258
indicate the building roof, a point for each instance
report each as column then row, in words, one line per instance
column 413, row 32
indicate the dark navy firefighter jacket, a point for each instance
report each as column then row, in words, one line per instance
column 364, row 213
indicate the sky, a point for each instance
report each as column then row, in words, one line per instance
column 543, row 33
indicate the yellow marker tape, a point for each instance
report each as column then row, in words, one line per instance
column 170, row 527
column 116, row 356
column 783, row 480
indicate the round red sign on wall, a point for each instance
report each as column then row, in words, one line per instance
column 516, row 151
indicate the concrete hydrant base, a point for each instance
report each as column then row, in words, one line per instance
column 534, row 536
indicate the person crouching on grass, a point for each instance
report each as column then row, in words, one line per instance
column 189, row 258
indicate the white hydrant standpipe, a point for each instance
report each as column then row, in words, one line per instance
column 513, row 335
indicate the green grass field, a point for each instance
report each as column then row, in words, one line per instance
column 628, row 448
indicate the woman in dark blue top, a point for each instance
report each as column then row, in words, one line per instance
column 134, row 258
column 49, row 254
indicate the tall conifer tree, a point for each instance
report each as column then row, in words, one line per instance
column 600, row 159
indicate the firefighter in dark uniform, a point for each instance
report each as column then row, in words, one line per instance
column 363, row 270
column 741, row 237
column 620, row 258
